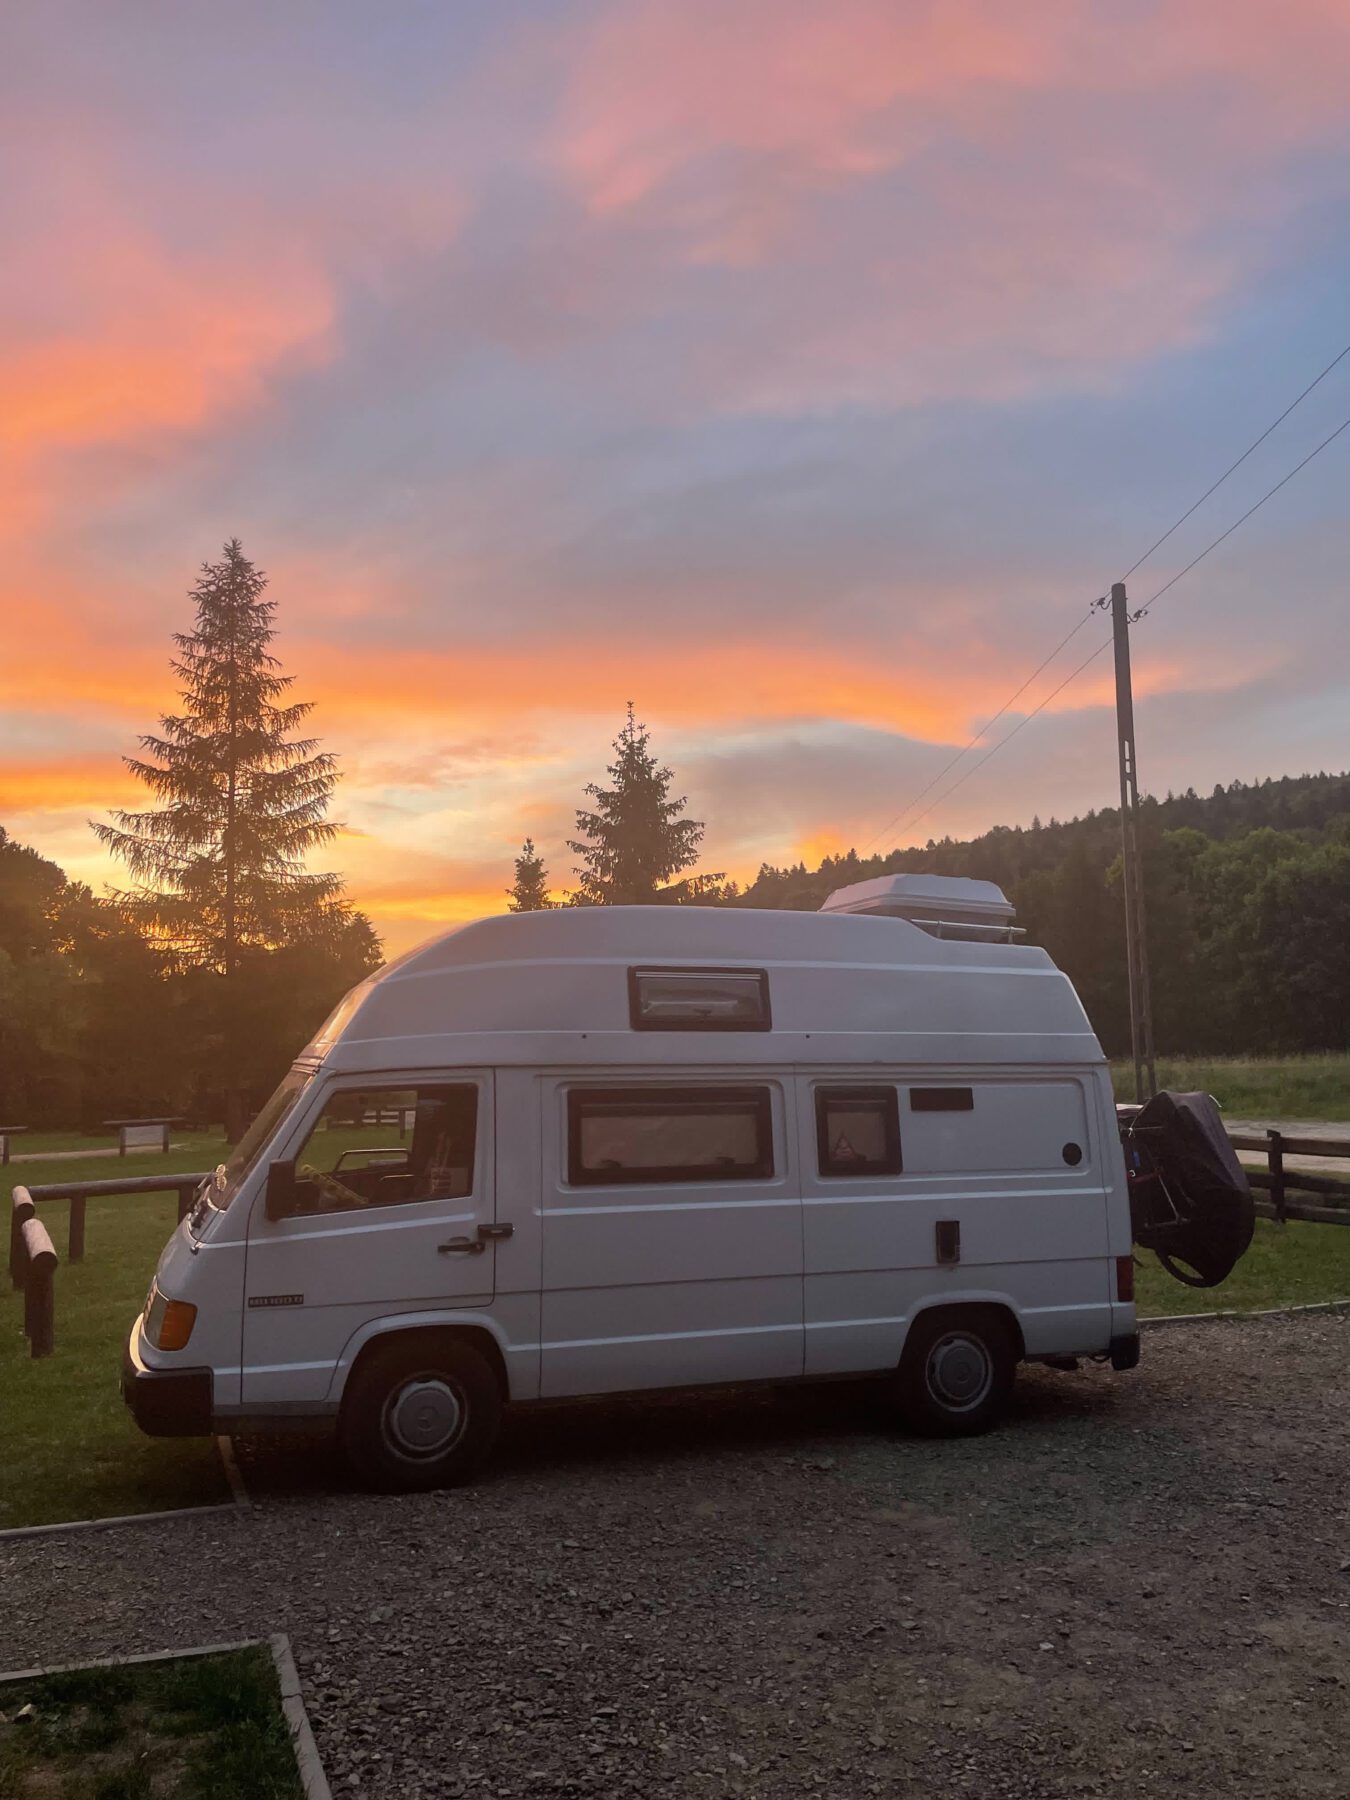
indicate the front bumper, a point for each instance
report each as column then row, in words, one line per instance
column 165, row 1402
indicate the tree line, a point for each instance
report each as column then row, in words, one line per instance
column 1248, row 900
column 188, row 991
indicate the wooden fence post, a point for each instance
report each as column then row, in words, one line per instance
column 39, row 1291
column 75, row 1240
column 21, row 1210
column 1275, row 1154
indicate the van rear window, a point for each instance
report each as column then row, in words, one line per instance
column 698, row 999
column 635, row 1136
column 857, row 1131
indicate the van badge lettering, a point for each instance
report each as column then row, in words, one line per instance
column 276, row 1299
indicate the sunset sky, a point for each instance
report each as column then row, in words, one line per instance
column 799, row 369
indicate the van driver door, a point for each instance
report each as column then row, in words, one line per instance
column 394, row 1211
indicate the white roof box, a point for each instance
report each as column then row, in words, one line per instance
column 945, row 905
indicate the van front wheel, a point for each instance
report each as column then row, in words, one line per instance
column 956, row 1373
column 421, row 1414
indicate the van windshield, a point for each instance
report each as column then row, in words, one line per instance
column 229, row 1177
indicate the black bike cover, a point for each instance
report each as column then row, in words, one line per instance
column 1189, row 1199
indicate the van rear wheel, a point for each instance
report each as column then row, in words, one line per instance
column 956, row 1372
column 421, row 1414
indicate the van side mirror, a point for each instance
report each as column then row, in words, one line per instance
column 280, row 1198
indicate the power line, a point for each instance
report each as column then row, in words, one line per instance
column 988, row 726
column 902, row 819
column 1141, row 613
column 1269, row 493
column 995, row 748
column 1255, row 445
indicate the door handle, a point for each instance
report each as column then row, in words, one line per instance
column 476, row 1245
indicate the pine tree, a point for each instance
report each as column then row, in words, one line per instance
column 530, row 890
column 219, row 864
column 634, row 840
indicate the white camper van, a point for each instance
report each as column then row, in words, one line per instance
column 600, row 1150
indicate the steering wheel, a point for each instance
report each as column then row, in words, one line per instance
column 329, row 1188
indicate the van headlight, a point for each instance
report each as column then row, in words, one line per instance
column 168, row 1323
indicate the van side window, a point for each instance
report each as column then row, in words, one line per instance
column 389, row 1147
column 636, row 1136
column 858, row 1131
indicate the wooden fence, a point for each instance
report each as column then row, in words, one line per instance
column 79, row 1193
column 1277, row 1180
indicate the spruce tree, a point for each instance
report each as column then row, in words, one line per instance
column 529, row 893
column 634, row 840
column 218, row 864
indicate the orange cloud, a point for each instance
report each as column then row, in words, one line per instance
column 85, row 783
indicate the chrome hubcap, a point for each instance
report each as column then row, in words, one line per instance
column 423, row 1417
column 960, row 1372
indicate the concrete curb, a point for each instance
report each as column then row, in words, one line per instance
column 309, row 1766
column 233, row 1473
column 312, row 1777
column 12, row 1532
column 119, row 1662
column 1270, row 1312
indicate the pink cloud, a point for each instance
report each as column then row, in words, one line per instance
column 958, row 197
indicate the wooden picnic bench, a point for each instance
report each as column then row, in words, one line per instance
column 154, row 1133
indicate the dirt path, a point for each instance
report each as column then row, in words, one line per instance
column 1139, row 1586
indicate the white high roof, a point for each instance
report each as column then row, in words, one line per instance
column 551, row 988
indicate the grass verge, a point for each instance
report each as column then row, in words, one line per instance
column 192, row 1729
column 1287, row 1265
column 1289, row 1087
column 70, row 1448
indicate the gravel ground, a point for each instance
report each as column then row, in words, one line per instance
column 1139, row 1585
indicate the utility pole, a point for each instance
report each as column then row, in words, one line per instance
column 1136, row 936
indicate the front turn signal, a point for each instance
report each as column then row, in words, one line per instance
column 175, row 1325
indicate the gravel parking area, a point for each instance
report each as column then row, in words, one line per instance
column 1139, row 1585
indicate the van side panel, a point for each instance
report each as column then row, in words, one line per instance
column 1033, row 1223
column 669, row 1284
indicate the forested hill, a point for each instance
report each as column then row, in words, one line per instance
column 1249, row 909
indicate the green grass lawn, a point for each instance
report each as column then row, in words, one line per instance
column 1288, row 1087
column 190, row 1729
column 68, row 1445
